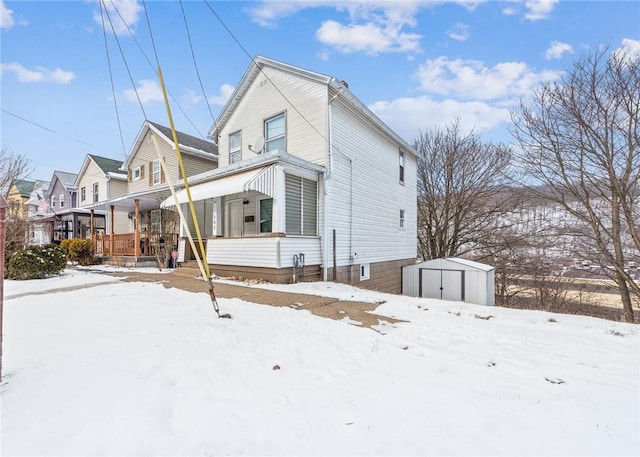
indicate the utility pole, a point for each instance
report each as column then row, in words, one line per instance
column 3, row 215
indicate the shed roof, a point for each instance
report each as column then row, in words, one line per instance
column 454, row 262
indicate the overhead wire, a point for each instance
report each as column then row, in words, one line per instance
column 44, row 128
column 195, row 64
column 113, row 90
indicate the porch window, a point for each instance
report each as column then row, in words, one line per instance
column 401, row 157
column 83, row 194
column 156, row 172
column 266, row 215
column 301, row 208
column 275, row 133
column 96, row 195
column 61, row 199
column 235, row 147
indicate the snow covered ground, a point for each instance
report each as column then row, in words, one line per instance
column 97, row 366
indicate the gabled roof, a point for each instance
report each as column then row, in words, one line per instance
column 340, row 87
column 107, row 165
column 68, row 180
column 24, row 187
column 189, row 144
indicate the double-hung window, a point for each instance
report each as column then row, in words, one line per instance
column 402, row 219
column 301, row 209
column 235, row 147
column 156, row 172
column 96, row 195
column 275, row 133
column 61, row 199
column 83, row 194
column 401, row 158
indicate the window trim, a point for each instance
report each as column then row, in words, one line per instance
column 267, row 140
column 233, row 153
column 401, row 170
column 61, row 200
column 96, row 192
column 83, row 193
column 136, row 174
column 403, row 219
column 153, row 172
column 365, row 271
column 259, row 213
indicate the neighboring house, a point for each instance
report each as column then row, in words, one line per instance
column 310, row 185
column 146, row 187
column 101, row 179
column 27, row 201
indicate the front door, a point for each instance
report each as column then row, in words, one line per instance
column 234, row 218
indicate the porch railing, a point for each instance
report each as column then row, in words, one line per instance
column 123, row 244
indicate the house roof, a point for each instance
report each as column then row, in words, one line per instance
column 67, row 179
column 24, row 187
column 338, row 86
column 107, row 165
column 189, row 144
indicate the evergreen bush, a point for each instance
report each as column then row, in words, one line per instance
column 81, row 251
column 36, row 262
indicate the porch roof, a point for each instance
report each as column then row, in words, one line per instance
column 261, row 180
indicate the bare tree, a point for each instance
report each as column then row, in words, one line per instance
column 581, row 151
column 12, row 167
column 461, row 191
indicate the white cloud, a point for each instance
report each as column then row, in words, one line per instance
column 39, row 75
column 459, row 32
column 225, row 92
column 632, row 47
column 409, row 116
column 471, row 79
column 557, row 50
column 539, row 9
column 148, row 90
column 6, row 17
column 124, row 15
column 369, row 38
column 509, row 11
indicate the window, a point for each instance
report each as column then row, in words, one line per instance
column 156, row 172
column 275, row 131
column 235, row 147
column 53, row 201
column 136, row 174
column 401, row 218
column 83, row 194
column 61, row 198
column 96, row 195
column 364, row 271
column 401, row 157
column 301, row 216
column 266, row 215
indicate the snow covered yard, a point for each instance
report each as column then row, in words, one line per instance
column 98, row 366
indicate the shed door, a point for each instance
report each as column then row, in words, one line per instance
column 442, row 284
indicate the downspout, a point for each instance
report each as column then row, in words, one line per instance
column 327, row 174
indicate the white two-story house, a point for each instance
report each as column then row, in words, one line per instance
column 310, row 185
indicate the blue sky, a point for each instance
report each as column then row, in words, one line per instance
column 417, row 64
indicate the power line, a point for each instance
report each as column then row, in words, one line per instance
column 45, row 128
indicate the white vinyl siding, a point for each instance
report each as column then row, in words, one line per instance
column 301, row 207
column 365, row 196
column 305, row 137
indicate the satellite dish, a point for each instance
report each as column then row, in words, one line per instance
column 257, row 145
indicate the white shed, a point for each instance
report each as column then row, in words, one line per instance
column 451, row 278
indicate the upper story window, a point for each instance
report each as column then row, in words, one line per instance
column 235, row 147
column 53, row 201
column 83, row 194
column 136, row 174
column 402, row 218
column 401, row 158
column 96, row 195
column 275, row 133
column 61, row 198
column 156, row 175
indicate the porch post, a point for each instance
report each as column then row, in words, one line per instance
column 91, row 214
column 136, row 229
column 279, row 202
column 111, row 227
